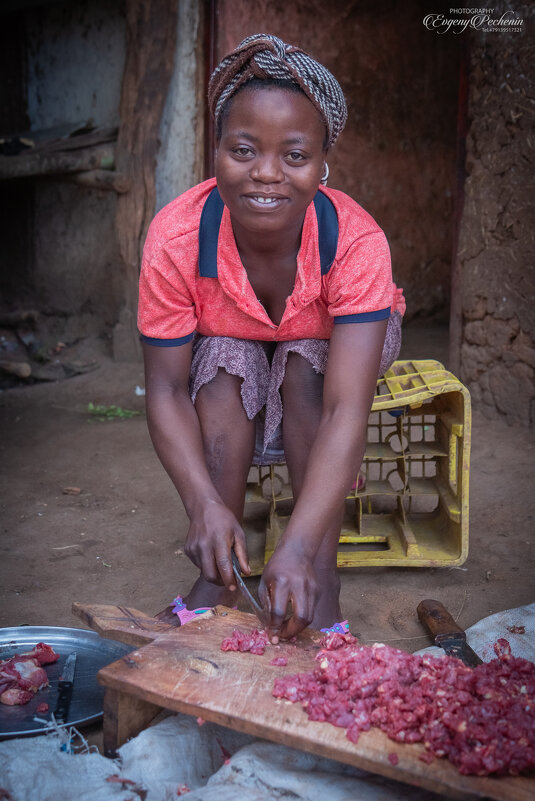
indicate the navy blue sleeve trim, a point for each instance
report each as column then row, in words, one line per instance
column 167, row 343
column 364, row 317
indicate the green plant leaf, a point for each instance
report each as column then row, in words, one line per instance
column 104, row 413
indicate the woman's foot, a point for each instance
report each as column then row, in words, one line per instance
column 328, row 610
column 168, row 616
column 204, row 593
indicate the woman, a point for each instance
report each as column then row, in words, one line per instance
column 261, row 294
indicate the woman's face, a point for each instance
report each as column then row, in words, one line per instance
column 270, row 158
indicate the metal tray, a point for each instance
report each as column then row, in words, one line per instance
column 93, row 652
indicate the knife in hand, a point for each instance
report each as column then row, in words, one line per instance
column 261, row 613
column 65, row 685
column 447, row 634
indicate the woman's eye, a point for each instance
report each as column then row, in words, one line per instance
column 242, row 151
column 295, row 156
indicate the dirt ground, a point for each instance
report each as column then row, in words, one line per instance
column 120, row 539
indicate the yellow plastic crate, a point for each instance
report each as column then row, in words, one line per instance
column 413, row 509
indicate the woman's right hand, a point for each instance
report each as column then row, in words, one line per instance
column 288, row 582
column 213, row 533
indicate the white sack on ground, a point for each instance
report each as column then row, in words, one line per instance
column 35, row 769
column 178, row 751
column 266, row 771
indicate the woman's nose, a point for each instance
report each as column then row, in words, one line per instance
column 267, row 169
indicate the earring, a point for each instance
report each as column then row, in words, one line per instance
column 325, row 175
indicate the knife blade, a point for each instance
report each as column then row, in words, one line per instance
column 65, row 685
column 446, row 633
column 253, row 603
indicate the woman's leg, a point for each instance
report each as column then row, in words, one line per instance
column 302, row 390
column 228, row 437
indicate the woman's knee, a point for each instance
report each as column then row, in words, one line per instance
column 223, row 419
column 222, row 391
column 392, row 343
column 227, row 432
column 302, row 385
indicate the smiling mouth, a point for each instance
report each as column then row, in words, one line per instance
column 265, row 200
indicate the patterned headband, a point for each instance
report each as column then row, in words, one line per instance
column 264, row 56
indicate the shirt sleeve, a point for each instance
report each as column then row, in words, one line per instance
column 359, row 284
column 166, row 311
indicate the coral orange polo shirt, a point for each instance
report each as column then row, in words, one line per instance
column 178, row 295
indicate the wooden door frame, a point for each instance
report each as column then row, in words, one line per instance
column 151, row 29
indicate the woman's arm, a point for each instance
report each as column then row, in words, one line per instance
column 176, row 434
column 349, row 387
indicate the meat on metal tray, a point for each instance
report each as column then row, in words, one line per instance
column 93, row 652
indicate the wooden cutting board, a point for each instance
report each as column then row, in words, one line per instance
column 183, row 669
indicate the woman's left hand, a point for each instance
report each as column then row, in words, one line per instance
column 288, row 578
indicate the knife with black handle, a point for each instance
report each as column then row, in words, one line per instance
column 446, row 633
column 65, row 685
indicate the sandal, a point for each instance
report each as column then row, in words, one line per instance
column 186, row 615
column 339, row 628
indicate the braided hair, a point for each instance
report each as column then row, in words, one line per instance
column 263, row 57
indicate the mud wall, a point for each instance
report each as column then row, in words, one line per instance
column 498, row 225
column 397, row 154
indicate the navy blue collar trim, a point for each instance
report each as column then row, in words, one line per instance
column 211, row 221
column 209, row 234
column 327, row 230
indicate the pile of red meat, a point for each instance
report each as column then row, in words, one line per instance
column 22, row 675
column 481, row 719
column 255, row 642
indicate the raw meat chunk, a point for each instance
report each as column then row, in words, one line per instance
column 255, row 642
column 22, row 676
